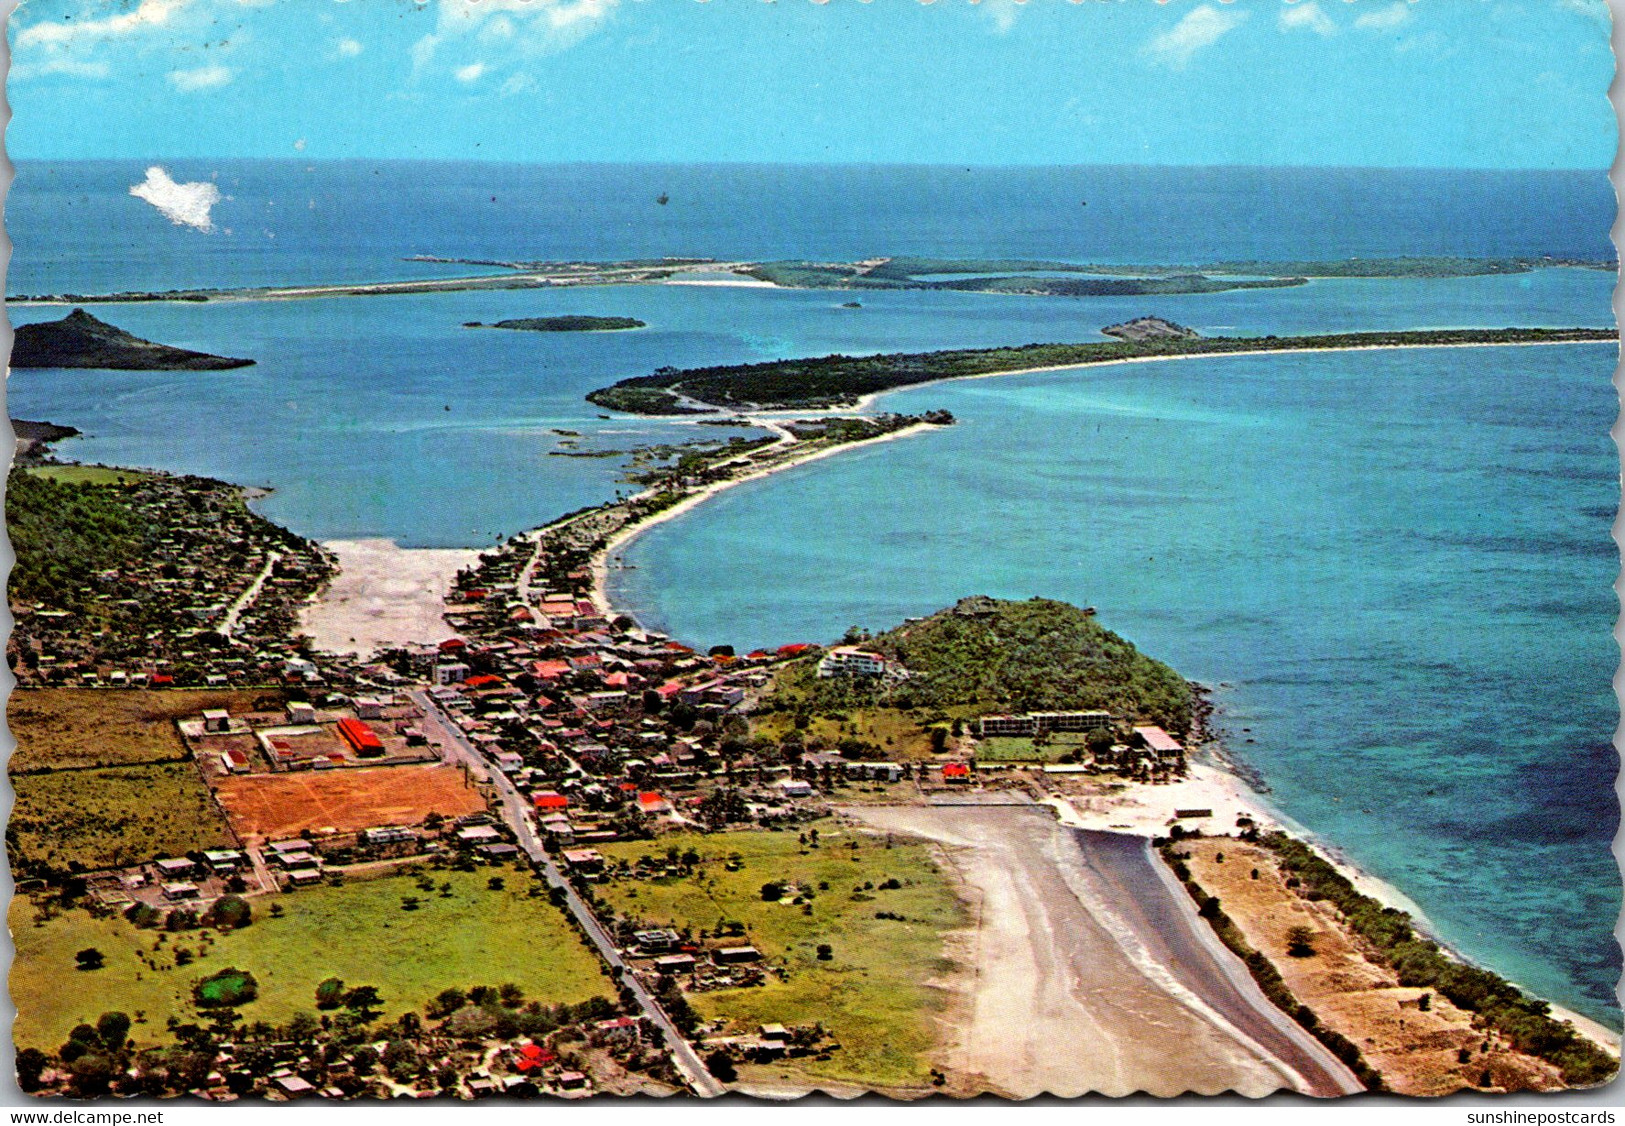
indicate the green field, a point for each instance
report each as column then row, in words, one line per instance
column 111, row 817
column 1013, row 748
column 873, row 993
column 58, row 728
column 357, row 932
column 89, row 474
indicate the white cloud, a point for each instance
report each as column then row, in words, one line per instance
column 147, row 14
column 1201, row 28
column 201, row 78
column 469, row 73
column 1397, row 14
column 510, row 31
column 185, row 205
column 77, row 68
column 1003, row 13
column 1307, row 17
column 350, row 48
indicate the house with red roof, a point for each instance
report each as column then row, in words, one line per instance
column 652, row 804
column 955, row 772
column 549, row 800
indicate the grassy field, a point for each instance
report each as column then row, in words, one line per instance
column 873, row 993
column 900, row 736
column 357, row 932
column 88, row 474
column 110, row 817
column 1013, row 748
column 59, row 728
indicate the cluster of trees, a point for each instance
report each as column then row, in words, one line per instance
column 92, row 1055
column 64, row 534
column 1525, row 1020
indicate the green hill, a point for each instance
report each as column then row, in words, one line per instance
column 1039, row 655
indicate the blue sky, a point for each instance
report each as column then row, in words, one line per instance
column 1440, row 83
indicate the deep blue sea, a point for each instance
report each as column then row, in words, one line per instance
column 1396, row 565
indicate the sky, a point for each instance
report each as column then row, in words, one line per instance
column 1382, row 83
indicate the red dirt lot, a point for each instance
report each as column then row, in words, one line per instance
column 265, row 807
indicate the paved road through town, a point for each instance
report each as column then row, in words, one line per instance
column 515, row 813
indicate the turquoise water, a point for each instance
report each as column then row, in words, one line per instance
column 1396, row 565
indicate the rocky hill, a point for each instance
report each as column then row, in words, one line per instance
column 80, row 340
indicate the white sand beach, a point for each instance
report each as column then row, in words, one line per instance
column 384, row 595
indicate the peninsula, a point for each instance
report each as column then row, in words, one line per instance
column 844, row 381
column 80, row 340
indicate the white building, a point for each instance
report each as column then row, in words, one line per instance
column 849, row 660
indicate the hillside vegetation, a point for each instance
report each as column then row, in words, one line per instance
column 988, row 655
column 63, row 534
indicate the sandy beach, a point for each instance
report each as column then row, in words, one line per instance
column 1060, row 991
column 383, row 596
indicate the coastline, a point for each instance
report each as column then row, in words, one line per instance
column 864, row 402
column 599, row 564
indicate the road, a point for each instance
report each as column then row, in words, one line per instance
column 517, row 815
column 1161, row 913
column 246, row 598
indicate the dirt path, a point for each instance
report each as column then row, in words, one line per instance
column 1059, row 992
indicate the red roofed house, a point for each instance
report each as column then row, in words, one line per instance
column 484, row 680
column 955, row 772
column 795, row 650
column 1158, row 741
column 652, row 803
column 362, row 739
column 549, row 670
column 531, row 1056
column 549, row 799
column 452, row 644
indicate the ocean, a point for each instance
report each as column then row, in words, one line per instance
column 1394, row 567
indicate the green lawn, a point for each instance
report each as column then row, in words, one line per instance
column 873, row 994
column 114, row 816
column 89, row 474
column 357, row 932
column 1012, row 748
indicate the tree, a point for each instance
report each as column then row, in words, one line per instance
column 495, row 883
column 31, row 1063
column 114, row 1030
column 772, row 891
column 303, row 1026
column 363, row 1001
column 231, row 912
column 825, row 952
column 330, row 994
column 90, row 958
column 511, row 994
column 401, row 1060
column 1300, row 942
column 722, row 1066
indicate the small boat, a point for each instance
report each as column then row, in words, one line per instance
column 663, row 199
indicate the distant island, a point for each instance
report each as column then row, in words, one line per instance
column 823, row 382
column 1010, row 276
column 80, row 340
column 563, row 324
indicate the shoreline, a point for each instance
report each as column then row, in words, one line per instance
column 598, row 567
column 864, row 402
column 1211, row 785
